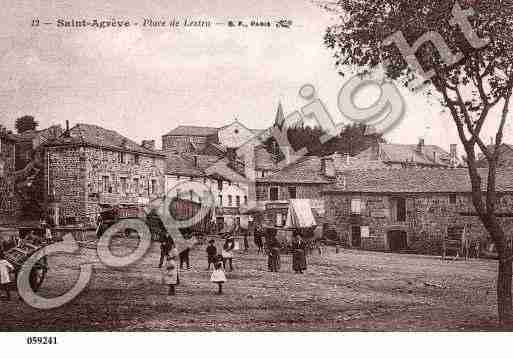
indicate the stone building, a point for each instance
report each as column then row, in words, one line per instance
column 196, row 139
column 410, row 209
column 189, row 138
column 304, row 179
column 90, row 167
column 193, row 177
column 9, row 199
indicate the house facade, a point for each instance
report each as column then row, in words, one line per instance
column 304, row 179
column 9, row 199
column 89, row 168
column 197, row 176
column 410, row 209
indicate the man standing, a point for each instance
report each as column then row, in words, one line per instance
column 165, row 246
column 5, row 277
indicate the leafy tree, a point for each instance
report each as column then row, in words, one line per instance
column 25, row 123
column 470, row 88
column 353, row 139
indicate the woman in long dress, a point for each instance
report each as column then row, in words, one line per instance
column 171, row 270
column 298, row 254
column 227, row 252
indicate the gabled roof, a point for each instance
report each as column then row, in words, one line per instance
column 306, row 170
column 180, row 166
column 202, row 131
column 418, row 180
column 96, row 136
column 405, row 153
column 220, row 169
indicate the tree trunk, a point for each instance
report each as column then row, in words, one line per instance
column 504, row 273
column 504, row 294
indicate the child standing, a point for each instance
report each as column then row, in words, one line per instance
column 5, row 278
column 171, row 270
column 211, row 253
column 218, row 275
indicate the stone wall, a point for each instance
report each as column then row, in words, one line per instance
column 9, row 200
column 76, row 180
column 129, row 182
column 180, row 143
column 303, row 190
column 427, row 218
column 66, row 181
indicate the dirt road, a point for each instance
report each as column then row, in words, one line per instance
column 351, row 290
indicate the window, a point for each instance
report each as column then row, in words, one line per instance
column 121, row 157
column 356, row 206
column 106, row 184
column 124, row 188
column 237, row 201
column 136, row 185
column 273, row 193
column 136, row 159
column 452, row 198
column 153, row 186
column 219, row 185
column 230, row 200
column 220, row 200
column 292, row 192
column 245, row 200
column 400, row 209
column 279, row 220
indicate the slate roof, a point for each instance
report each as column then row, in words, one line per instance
column 305, row 170
column 404, row 153
column 96, row 136
column 178, row 165
column 505, row 156
column 417, row 180
column 203, row 131
column 220, row 169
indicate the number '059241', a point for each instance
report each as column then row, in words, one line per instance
column 41, row 340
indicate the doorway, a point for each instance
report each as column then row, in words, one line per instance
column 356, row 237
column 397, row 240
column 220, row 224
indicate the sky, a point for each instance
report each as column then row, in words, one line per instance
column 143, row 82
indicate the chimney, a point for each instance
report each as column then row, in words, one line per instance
column 453, row 154
column 420, row 145
column 148, row 144
column 435, row 157
column 327, row 167
column 195, row 158
column 66, row 134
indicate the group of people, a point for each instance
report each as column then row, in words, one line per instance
column 169, row 255
column 299, row 249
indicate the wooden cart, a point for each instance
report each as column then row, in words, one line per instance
column 18, row 253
